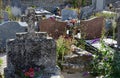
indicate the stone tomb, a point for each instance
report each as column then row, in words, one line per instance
column 31, row 54
column 24, row 52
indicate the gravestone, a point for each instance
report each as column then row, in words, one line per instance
column 100, row 4
column 93, row 2
column 16, row 11
column 68, row 14
column 8, row 31
column 34, row 19
column 31, row 54
column 54, row 28
column 86, row 12
column 92, row 28
column 5, row 16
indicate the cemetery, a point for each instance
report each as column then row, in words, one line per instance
column 59, row 39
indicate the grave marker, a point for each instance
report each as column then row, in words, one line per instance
column 30, row 51
column 31, row 18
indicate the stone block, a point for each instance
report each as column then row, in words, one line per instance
column 24, row 52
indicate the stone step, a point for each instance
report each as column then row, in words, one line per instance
column 79, row 57
column 72, row 68
column 51, row 76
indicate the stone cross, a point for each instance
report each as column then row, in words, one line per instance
column 31, row 18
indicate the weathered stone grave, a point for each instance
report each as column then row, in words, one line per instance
column 68, row 14
column 100, row 4
column 31, row 53
column 86, row 12
column 8, row 31
column 54, row 28
column 92, row 28
column 5, row 16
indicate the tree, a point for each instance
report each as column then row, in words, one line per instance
column 0, row 5
column 118, row 25
column 76, row 3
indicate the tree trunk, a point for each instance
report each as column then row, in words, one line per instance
column 116, row 59
column 118, row 25
column 0, row 2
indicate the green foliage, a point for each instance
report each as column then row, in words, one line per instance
column 1, row 15
column 80, row 44
column 33, row 6
column 83, row 2
column 75, row 3
column 1, row 61
column 79, row 3
column 116, row 65
column 105, row 15
column 114, row 28
column 103, row 60
column 11, row 16
column 102, row 64
column 63, row 47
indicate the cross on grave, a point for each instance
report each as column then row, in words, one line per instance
column 30, row 19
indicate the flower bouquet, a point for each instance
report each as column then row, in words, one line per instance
column 31, row 72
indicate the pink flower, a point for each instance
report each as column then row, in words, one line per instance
column 23, row 71
column 32, row 74
column 31, row 70
column 85, row 74
column 27, row 74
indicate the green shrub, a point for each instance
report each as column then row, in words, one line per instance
column 105, row 15
column 63, row 47
column 9, row 11
column 102, row 64
column 1, row 61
